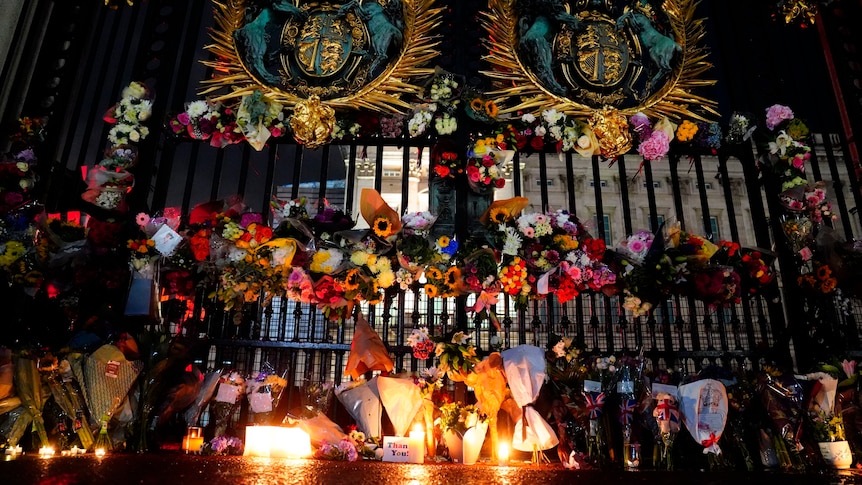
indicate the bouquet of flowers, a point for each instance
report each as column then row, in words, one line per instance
column 666, row 413
column 782, row 397
column 484, row 172
column 203, row 120
column 223, row 445
column 260, row 118
column 653, row 141
column 264, row 392
column 596, row 387
column 128, row 115
column 230, row 389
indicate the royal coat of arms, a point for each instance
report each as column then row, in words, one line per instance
column 323, row 55
column 583, row 56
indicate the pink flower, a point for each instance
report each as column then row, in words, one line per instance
column 637, row 246
column 183, row 118
column 655, row 147
column 529, row 232
column 777, row 113
column 849, row 367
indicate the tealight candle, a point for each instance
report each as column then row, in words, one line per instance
column 503, row 454
column 193, row 440
column 46, row 452
column 100, row 452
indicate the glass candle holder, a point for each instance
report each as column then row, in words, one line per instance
column 193, row 440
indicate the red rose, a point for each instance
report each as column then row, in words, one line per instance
column 487, row 160
column 537, row 143
column 520, row 141
column 442, row 171
column 500, row 183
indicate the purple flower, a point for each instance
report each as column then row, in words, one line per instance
column 655, row 147
column 639, row 121
column 777, row 113
column 249, row 218
column 183, row 118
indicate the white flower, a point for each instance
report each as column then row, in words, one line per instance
column 460, row 338
column 560, row 348
column 528, row 118
column 541, row 131
column 196, row 109
column 551, row 116
column 512, row 242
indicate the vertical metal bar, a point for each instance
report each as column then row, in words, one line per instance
column 570, row 183
column 243, row 170
column 597, row 189
column 838, row 185
column 351, row 180
column 624, row 195
column 216, row 171
column 516, row 175
column 704, row 201
column 272, row 158
column 298, row 155
column 653, row 209
column 543, row 180
column 324, row 174
column 378, row 169
column 190, row 177
column 855, row 183
column 730, row 204
column 676, row 189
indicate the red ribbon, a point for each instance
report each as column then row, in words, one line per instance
column 595, row 401
column 709, row 442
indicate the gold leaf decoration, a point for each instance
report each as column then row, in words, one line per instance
column 519, row 89
column 312, row 122
column 383, row 93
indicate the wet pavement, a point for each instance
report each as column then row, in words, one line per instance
column 168, row 469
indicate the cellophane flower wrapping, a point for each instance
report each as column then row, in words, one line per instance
column 402, row 401
column 321, row 429
column 525, row 371
column 367, row 352
column 597, row 387
column 264, row 392
column 230, row 390
column 667, row 417
column 107, row 377
column 28, row 385
column 205, row 394
column 67, row 394
column 488, row 381
column 703, row 406
column 362, row 400
column 782, row 397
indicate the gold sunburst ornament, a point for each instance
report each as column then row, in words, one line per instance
column 583, row 57
column 360, row 54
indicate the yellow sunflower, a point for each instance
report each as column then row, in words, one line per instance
column 351, row 280
column 433, row 273
column 453, row 277
column 491, row 108
column 431, row 291
column 382, row 227
column 499, row 215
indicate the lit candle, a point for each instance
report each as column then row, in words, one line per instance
column 277, row 442
column 46, row 452
column 193, row 440
column 100, row 452
column 503, row 454
column 417, row 445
